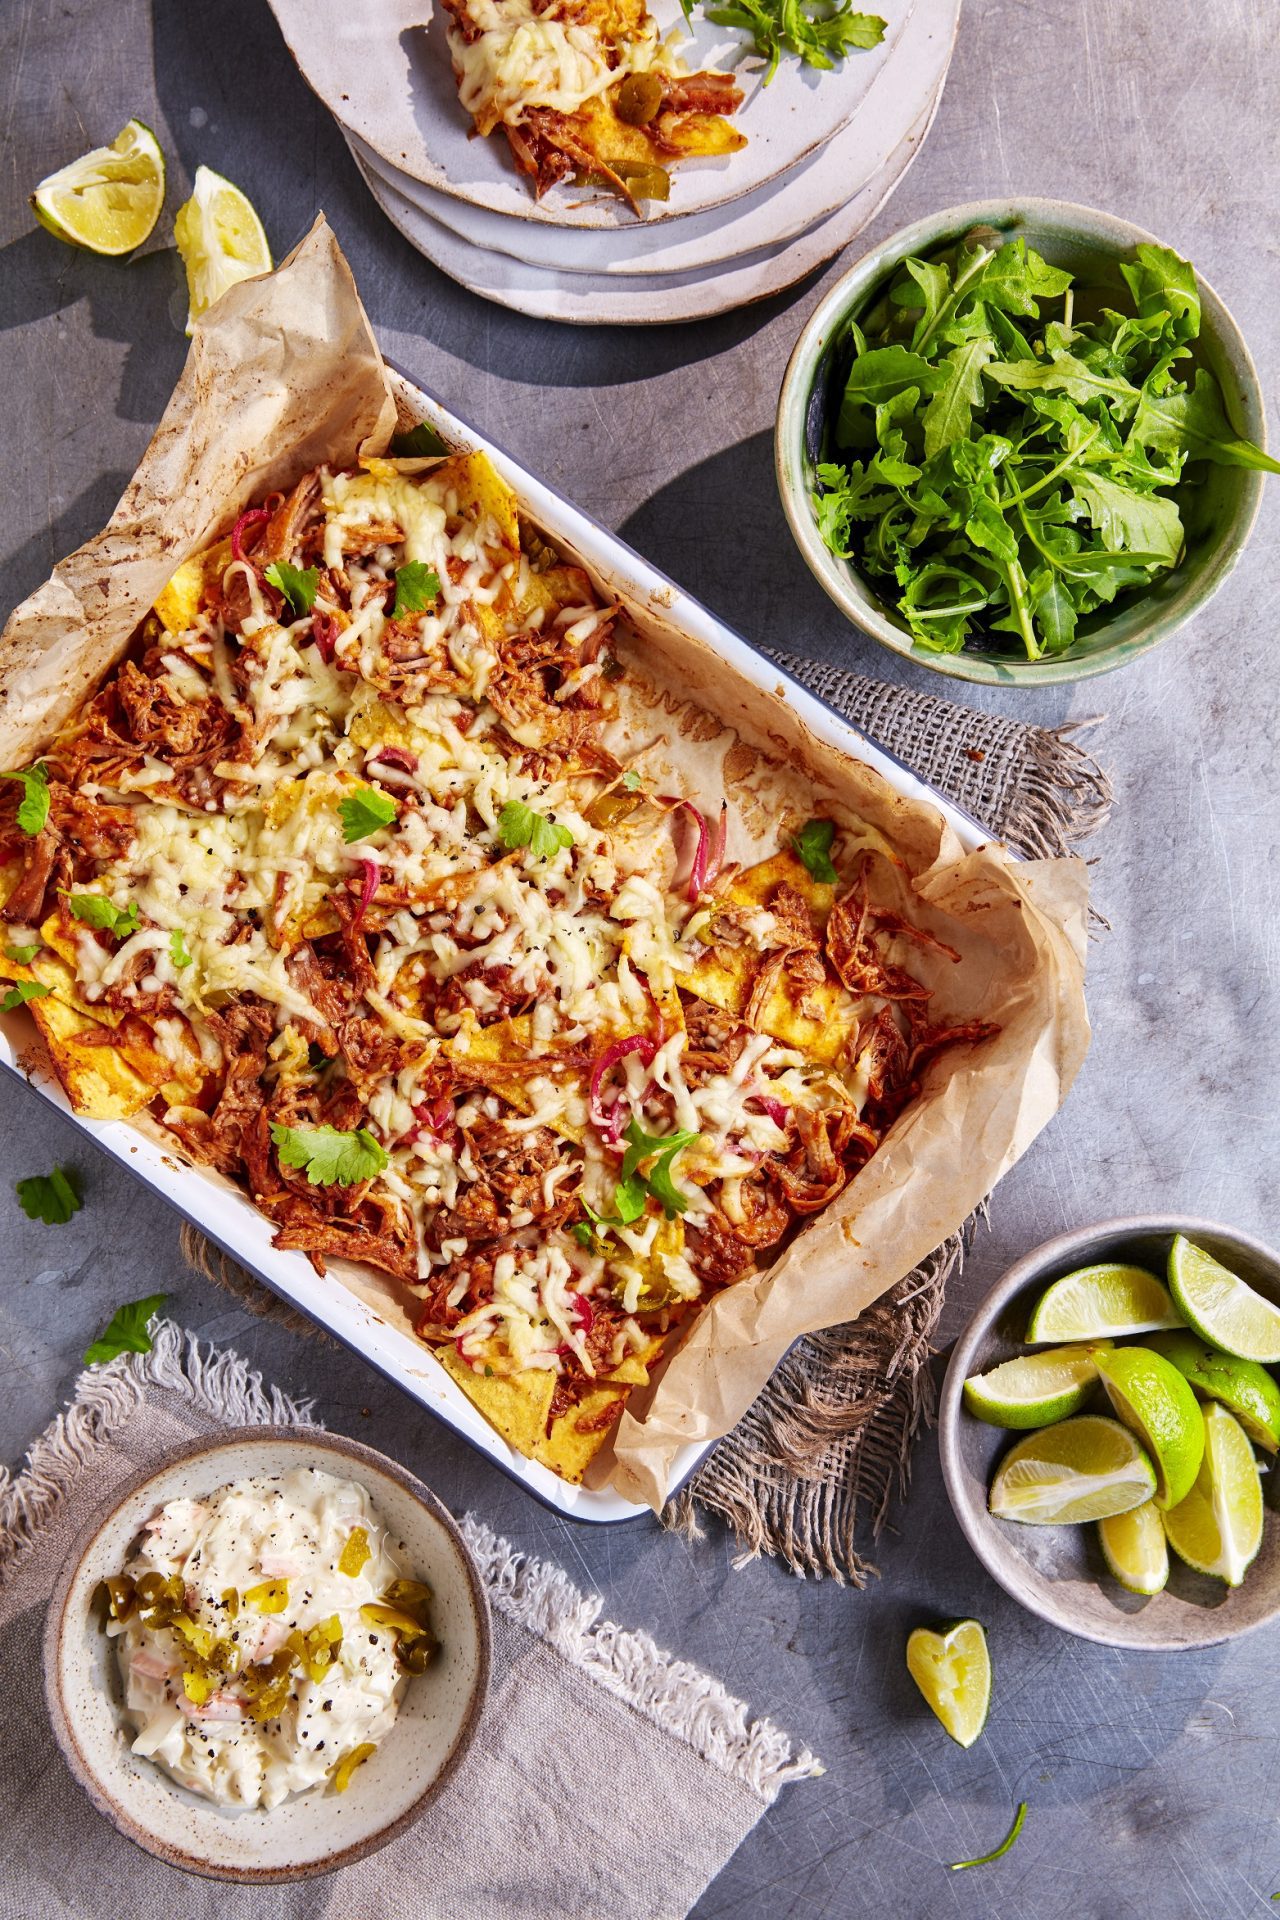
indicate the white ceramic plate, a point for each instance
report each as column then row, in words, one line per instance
column 312, row 1832
column 662, row 611
column 391, row 81
column 588, row 300
column 800, row 199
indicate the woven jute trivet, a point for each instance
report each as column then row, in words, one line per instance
column 827, row 1446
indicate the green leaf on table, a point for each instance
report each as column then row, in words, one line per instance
column 364, row 812
column 127, row 1331
column 298, row 585
column 329, row 1157
column 417, row 588
column 33, row 808
column 49, row 1197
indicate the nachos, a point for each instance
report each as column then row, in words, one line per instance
column 347, row 877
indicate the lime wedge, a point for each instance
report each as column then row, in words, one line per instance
column 1082, row 1469
column 111, row 199
column 221, row 241
column 1155, row 1402
column 952, row 1669
column 1221, row 1308
column 1099, row 1303
column 1135, row 1549
column 1035, row 1389
column 1217, row 1529
column 1243, row 1387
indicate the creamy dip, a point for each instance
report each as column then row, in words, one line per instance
column 267, row 1581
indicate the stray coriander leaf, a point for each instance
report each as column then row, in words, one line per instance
column 364, row 812
column 25, row 990
column 33, row 808
column 49, row 1197
column 331, row 1158
column 178, row 948
column 629, row 1199
column 985, row 1859
column 631, row 780
column 127, row 1331
column 23, row 956
column 585, row 1235
column 813, row 844
column 298, row 585
column 520, row 826
column 417, row 588
column 95, row 910
column 632, row 1185
column 417, row 443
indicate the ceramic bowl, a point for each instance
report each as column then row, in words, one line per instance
column 1092, row 245
column 1059, row 1572
column 312, row 1832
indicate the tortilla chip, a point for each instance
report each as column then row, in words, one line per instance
column 488, row 1049
column 517, row 1404
column 98, row 1079
column 180, row 603
column 481, row 493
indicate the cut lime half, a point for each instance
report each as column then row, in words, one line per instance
column 1099, row 1303
column 1035, row 1389
column 1219, row 1305
column 1156, row 1403
column 1082, row 1469
column 1217, row 1529
column 952, row 1669
column 221, row 240
column 1244, row 1388
column 109, row 200
column 1135, row 1549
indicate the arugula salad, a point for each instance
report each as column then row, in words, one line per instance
column 1005, row 454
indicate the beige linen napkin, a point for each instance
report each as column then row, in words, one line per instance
column 608, row 1780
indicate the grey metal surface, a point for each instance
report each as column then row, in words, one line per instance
column 1150, row 1780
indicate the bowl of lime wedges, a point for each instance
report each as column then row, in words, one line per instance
column 1107, row 1428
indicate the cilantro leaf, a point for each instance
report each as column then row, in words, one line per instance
column 178, row 948
column 33, row 808
column 417, row 588
column 813, row 843
column 331, row 1158
column 97, row 911
column 817, row 32
column 25, row 990
column 658, row 1181
column 127, row 1331
column 631, row 780
column 298, row 585
column 23, row 956
column 364, row 812
column 49, row 1197
column 420, row 442
column 519, row 826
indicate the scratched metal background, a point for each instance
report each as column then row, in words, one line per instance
column 1152, row 1783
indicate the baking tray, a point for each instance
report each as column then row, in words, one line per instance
column 667, row 619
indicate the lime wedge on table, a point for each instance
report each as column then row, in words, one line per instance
column 1243, row 1387
column 220, row 238
column 1035, row 1389
column 1082, row 1469
column 1101, row 1302
column 109, row 200
column 1156, row 1403
column 1135, row 1549
column 1217, row 1529
column 1221, row 1308
column 953, row 1671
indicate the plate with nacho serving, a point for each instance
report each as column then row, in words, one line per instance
column 454, row 920
column 583, row 113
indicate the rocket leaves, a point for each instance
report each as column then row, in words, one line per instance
column 996, row 466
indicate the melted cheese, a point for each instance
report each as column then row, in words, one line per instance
column 523, row 57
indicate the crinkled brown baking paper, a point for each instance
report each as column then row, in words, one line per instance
column 285, row 373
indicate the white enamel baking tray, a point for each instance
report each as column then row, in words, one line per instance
column 667, row 618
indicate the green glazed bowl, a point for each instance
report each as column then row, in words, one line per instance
column 1091, row 245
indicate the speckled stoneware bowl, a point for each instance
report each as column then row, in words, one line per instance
column 316, row 1831
column 1091, row 245
column 1059, row 1572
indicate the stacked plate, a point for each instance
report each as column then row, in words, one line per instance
column 824, row 152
